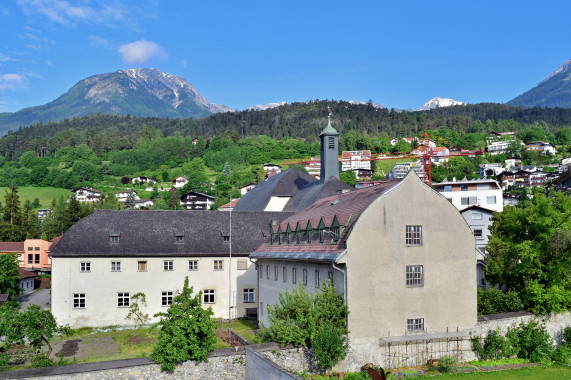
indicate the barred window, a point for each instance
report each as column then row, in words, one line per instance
column 414, row 275
column 218, row 264
column 413, row 235
column 415, row 324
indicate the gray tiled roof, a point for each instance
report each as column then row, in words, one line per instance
column 152, row 233
column 315, row 191
column 286, row 183
column 300, row 256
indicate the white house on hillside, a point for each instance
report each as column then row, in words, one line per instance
column 478, row 192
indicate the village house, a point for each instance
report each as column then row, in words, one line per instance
column 244, row 189
column 355, row 159
column 26, row 281
column 541, row 147
column 490, row 170
column 141, row 180
column 179, row 181
column 122, row 196
column 479, row 220
column 465, row 193
column 229, row 206
column 407, row 274
column 86, row 194
column 194, row 200
column 401, row 169
column 108, row 256
column 33, row 254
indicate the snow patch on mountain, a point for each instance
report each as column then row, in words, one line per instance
column 261, row 107
column 563, row 68
column 439, row 102
column 376, row 105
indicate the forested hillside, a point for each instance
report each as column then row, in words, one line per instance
column 304, row 121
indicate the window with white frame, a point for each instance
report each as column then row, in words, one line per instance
column 414, row 275
column 477, row 216
column 294, row 275
column 166, row 298
column 275, row 272
column 284, row 270
column 478, row 233
column 491, row 200
column 85, row 266
column 242, row 264
column 123, row 299
column 168, row 265
column 249, row 295
column 79, row 300
column 413, row 235
column 468, row 201
column 218, row 264
column 305, row 277
column 415, row 324
column 317, row 280
column 115, row 266
column 209, row 296
column 192, row 264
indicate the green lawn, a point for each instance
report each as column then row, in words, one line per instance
column 387, row 165
column 534, row 373
column 45, row 194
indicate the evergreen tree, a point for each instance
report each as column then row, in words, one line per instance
column 12, row 228
column 73, row 213
column 227, row 172
column 9, row 275
column 261, row 174
column 31, row 222
column 130, row 201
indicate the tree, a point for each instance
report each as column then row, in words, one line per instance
column 130, row 201
column 135, row 312
column 329, row 346
column 529, row 251
column 226, row 170
column 349, row 177
column 12, row 220
column 187, row 332
column 9, row 276
column 261, row 174
column 125, row 180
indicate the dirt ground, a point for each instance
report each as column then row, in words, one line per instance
column 85, row 348
column 223, row 334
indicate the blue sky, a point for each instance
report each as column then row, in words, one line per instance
column 243, row 53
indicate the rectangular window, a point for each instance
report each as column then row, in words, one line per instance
column 330, row 277
column 192, row 264
column 294, row 275
column 322, row 235
column 79, row 300
column 168, row 265
column 115, row 266
column 284, row 274
column 268, row 272
column 36, row 248
column 20, row 257
column 226, row 238
column 477, row 216
column 317, row 281
column 114, row 239
column 463, row 187
column 491, row 200
column 305, row 277
column 415, row 324
column 179, row 239
column 275, row 272
column 335, row 234
column 242, row 264
column 85, row 266
column 30, row 248
column 466, row 201
column 122, row 299
column 30, row 258
column 413, row 235
column 483, row 186
column 331, row 141
column 447, row 187
column 261, row 269
column 249, row 296
column 141, row 266
column 166, row 298
column 218, row 264
column 414, row 275
column 478, row 233
column 37, row 258
column 209, row 296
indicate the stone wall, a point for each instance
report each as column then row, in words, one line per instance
column 260, row 367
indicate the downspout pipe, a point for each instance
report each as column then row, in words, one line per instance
column 344, row 275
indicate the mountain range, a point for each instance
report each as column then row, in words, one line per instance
column 151, row 93
column 137, row 92
column 554, row 91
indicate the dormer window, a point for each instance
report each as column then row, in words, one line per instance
column 179, row 239
column 226, row 238
column 114, row 238
column 335, row 234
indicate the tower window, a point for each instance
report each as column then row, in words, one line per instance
column 331, row 142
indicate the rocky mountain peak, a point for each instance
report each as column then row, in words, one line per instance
column 439, row 102
column 563, row 68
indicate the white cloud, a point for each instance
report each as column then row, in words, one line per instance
column 62, row 12
column 13, row 82
column 141, row 52
column 184, row 63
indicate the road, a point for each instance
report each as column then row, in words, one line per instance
column 40, row 297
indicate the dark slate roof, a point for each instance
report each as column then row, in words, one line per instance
column 314, row 191
column 285, row 184
column 345, row 207
column 152, row 233
column 477, row 208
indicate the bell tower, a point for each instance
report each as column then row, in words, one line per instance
column 329, row 151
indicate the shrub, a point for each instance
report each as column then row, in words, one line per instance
column 495, row 346
column 562, row 356
column 567, row 336
column 494, row 301
column 531, row 341
column 329, row 346
column 445, row 363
